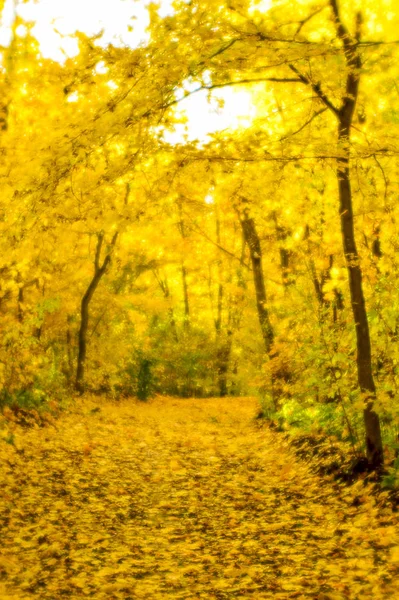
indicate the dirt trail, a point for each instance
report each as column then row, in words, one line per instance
column 182, row 499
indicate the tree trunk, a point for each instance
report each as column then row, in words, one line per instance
column 20, row 304
column 285, row 254
column 219, row 307
column 186, row 300
column 255, row 250
column 363, row 343
column 223, row 362
column 70, row 361
column 186, row 322
column 99, row 271
column 345, row 117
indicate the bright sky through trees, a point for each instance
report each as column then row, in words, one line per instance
column 125, row 22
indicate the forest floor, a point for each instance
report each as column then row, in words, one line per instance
column 182, row 499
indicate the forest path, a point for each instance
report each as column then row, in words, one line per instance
column 182, row 499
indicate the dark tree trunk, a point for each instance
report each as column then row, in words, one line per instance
column 338, row 303
column 345, row 117
column 223, row 362
column 186, row 300
column 363, row 360
column 219, row 308
column 99, row 271
column 69, row 349
column 182, row 230
column 376, row 245
column 285, row 254
column 317, row 283
column 20, row 304
column 255, row 250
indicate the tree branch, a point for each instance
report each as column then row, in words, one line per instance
column 194, row 227
column 316, row 114
column 100, row 238
column 342, row 31
column 214, row 86
column 308, row 18
column 316, row 88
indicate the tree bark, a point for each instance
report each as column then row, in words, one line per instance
column 185, row 295
column 344, row 115
column 223, row 362
column 363, row 360
column 252, row 239
column 186, row 322
column 99, row 271
column 285, row 254
column 363, row 343
column 70, row 361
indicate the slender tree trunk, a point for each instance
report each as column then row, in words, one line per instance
column 20, row 304
column 99, row 271
column 345, row 117
column 255, row 250
column 9, row 68
column 317, row 283
column 182, row 230
column 223, row 363
column 185, row 295
column 69, row 349
column 219, row 307
column 285, row 254
column 338, row 303
column 363, row 360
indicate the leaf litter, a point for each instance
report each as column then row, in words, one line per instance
column 184, row 499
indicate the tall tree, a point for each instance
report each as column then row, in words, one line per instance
column 100, row 268
column 255, row 249
column 344, row 114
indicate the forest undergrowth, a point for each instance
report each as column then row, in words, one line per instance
column 184, row 499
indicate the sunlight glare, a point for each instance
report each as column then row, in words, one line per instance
column 54, row 23
column 74, row 97
column 204, row 117
column 118, row 21
column 260, row 6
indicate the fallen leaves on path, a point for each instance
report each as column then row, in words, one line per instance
column 182, row 499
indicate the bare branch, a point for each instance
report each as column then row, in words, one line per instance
column 113, row 241
column 215, row 86
column 380, row 43
column 342, row 31
column 316, row 88
column 222, row 49
column 316, row 114
column 308, row 18
column 100, row 239
column 359, row 23
column 385, row 180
